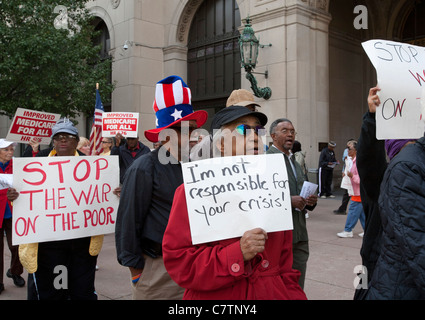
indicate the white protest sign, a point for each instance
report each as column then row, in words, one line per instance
column 64, row 197
column 400, row 69
column 126, row 123
column 228, row 196
column 29, row 124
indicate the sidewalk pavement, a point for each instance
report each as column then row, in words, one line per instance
column 330, row 266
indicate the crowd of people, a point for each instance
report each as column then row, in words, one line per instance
column 152, row 231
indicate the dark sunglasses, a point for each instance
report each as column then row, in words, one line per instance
column 242, row 129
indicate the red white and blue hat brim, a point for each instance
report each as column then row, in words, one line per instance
column 200, row 116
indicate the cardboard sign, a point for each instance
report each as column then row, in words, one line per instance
column 29, row 124
column 126, row 123
column 64, row 197
column 400, row 69
column 228, row 196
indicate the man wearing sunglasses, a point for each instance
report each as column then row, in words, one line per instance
column 283, row 134
column 257, row 265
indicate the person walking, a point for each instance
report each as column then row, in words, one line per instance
column 7, row 149
column 355, row 210
column 148, row 190
column 327, row 162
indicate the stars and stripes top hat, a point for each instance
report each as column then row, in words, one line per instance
column 172, row 105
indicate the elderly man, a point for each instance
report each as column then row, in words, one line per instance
column 283, row 134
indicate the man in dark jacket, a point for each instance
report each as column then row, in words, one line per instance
column 400, row 270
column 148, row 192
column 127, row 152
column 283, row 134
column 327, row 162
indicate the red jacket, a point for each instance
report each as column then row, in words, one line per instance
column 217, row 271
column 3, row 194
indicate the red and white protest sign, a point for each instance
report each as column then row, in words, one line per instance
column 126, row 123
column 29, row 124
column 64, row 198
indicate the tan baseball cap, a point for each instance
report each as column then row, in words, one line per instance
column 241, row 97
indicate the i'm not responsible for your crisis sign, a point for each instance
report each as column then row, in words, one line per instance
column 231, row 195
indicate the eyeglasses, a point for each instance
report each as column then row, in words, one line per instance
column 66, row 137
column 243, row 128
column 287, row 131
column 106, row 142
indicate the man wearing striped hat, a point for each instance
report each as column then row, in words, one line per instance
column 148, row 191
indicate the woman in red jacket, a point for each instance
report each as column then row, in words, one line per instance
column 6, row 167
column 256, row 266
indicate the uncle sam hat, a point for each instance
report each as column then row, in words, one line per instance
column 172, row 105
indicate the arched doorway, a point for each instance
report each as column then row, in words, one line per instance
column 414, row 28
column 213, row 55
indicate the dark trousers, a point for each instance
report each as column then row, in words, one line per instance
column 66, row 271
column 345, row 200
column 15, row 265
column 326, row 177
column 300, row 252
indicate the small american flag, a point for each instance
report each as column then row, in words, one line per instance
column 96, row 129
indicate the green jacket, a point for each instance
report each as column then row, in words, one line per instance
column 295, row 185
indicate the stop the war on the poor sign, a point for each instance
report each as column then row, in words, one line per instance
column 66, row 198
column 228, row 195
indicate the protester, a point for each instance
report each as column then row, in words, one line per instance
column 371, row 165
column 355, row 211
column 327, row 162
column 148, row 190
column 7, row 149
column 78, row 256
column 283, row 134
column 84, row 146
column 106, row 146
column 400, row 270
column 255, row 266
column 127, row 150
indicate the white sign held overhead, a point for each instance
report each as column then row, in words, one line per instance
column 126, row 123
column 400, row 69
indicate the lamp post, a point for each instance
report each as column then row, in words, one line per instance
column 249, row 46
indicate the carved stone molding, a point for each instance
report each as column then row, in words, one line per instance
column 115, row 3
column 318, row 4
column 186, row 19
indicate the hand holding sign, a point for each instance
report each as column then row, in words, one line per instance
column 401, row 75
